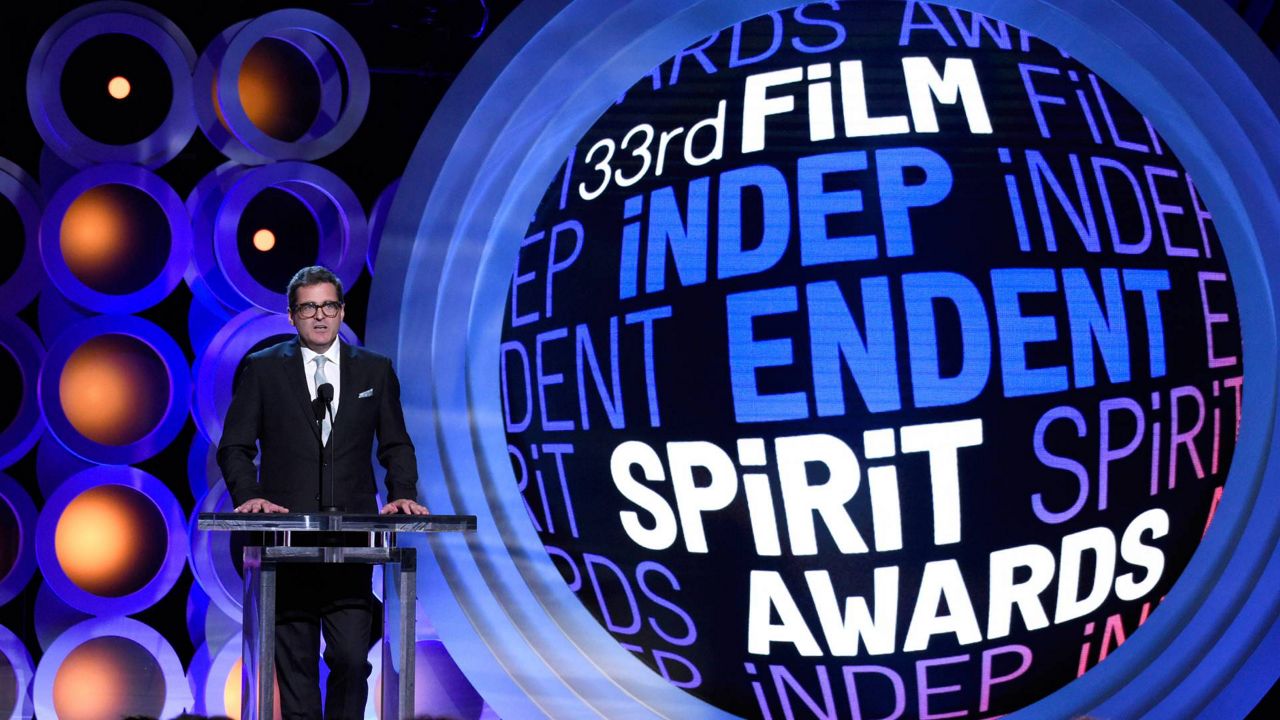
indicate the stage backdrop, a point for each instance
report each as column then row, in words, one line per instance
column 848, row 360
column 875, row 358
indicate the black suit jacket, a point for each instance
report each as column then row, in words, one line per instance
column 271, row 408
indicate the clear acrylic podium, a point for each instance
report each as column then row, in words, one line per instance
column 367, row 539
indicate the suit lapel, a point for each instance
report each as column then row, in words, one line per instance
column 296, row 381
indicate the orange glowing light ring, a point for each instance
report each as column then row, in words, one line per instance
column 210, row 117
column 159, row 287
column 330, row 49
column 21, row 434
column 217, row 206
column 15, row 579
column 177, row 385
column 44, row 80
column 152, row 590
column 22, row 191
column 177, row 694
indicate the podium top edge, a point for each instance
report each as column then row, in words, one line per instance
column 333, row 522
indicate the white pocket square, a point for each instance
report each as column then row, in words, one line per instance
column 366, row 393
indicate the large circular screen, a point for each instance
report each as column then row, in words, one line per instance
column 871, row 360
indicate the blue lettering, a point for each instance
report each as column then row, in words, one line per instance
column 1082, row 220
column 545, row 379
column 896, row 197
column 1048, row 459
column 1121, row 247
column 871, row 359
column 929, row 387
column 518, row 279
column 688, row 243
column 646, row 318
column 587, row 357
column 775, row 42
column 732, row 257
column 513, row 425
column 814, row 205
column 933, row 23
column 1150, row 283
column 628, row 266
column 1018, row 330
column 554, row 266
column 746, row 354
column 1089, row 323
column 802, row 18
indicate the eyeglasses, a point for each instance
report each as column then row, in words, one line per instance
column 309, row 310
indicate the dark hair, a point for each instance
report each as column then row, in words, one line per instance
column 314, row 275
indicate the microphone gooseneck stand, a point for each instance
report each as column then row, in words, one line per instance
column 333, row 468
column 321, row 405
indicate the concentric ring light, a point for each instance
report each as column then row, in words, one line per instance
column 219, row 205
column 55, row 463
column 111, row 540
column 446, row 267
column 76, row 144
column 115, row 389
column 238, row 105
column 219, row 685
column 117, row 665
column 115, row 238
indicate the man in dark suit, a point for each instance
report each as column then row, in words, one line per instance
column 272, row 407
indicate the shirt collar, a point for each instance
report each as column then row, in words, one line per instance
column 332, row 354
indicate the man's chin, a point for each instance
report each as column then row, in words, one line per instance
column 319, row 343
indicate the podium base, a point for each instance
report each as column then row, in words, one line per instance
column 399, row 618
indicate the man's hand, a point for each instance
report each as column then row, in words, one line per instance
column 406, row 506
column 261, row 505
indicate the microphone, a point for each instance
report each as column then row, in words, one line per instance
column 325, row 393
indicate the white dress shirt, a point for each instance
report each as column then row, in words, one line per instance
column 332, row 371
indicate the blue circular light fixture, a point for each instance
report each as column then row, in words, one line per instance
column 170, row 394
column 44, row 84
column 140, row 183
column 161, row 515
column 176, row 694
column 344, row 87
